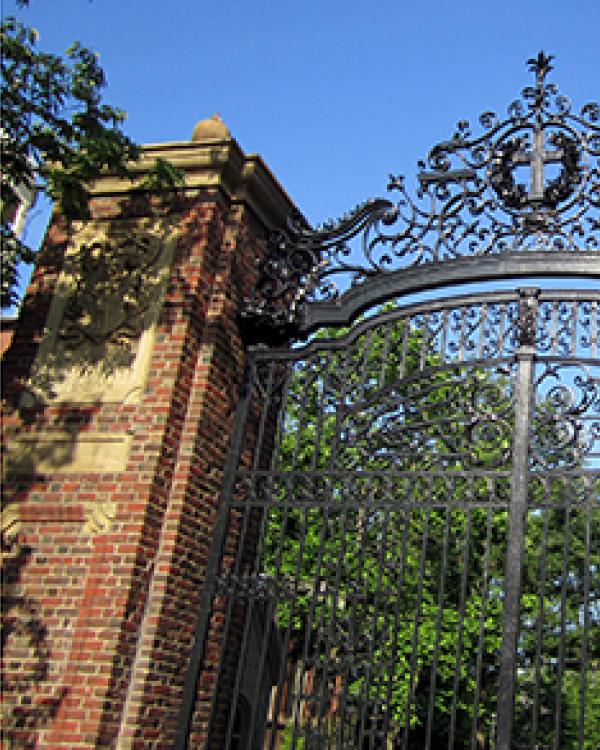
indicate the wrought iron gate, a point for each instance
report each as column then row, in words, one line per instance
column 407, row 555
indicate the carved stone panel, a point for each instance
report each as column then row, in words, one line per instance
column 100, row 328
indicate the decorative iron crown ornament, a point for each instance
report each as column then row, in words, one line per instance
column 469, row 203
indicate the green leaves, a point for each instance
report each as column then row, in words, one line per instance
column 57, row 135
column 389, row 526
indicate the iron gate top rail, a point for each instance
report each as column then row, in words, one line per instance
column 338, row 316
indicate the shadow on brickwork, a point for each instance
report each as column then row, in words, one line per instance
column 206, row 707
column 109, row 305
column 26, row 707
column 195, row 299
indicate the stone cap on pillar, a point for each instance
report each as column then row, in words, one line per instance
column 212, row 128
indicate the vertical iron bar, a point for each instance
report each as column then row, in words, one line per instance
column 363, row 378
column 444, row 336
column 587, row 625
column 438, row 627
column 385, row 352
column 294, row 476
column 327, row 601
column 554, row 327
column 367, row 722
column 310, row 618
column 425, row 331
column 337, row 601
column 540, row 624
column 461, row 627
column 190, row 687
column 594, row 329
column 574, row 321
column 404, row 348
column 383, row 714
column 325, row 375
column 238, row 571
column 311, row 370
column 502, row 330
column 286, row 482
column 462, row 334
column 481, row 636
column 482, row 322
column 275, row 708
column 398, row 586
column 331, row 618
column 270, row 608
column 415, row 634
column 361, row 594
column 563, row 625
column 516, row 517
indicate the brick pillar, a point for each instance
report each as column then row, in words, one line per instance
column 119, row 390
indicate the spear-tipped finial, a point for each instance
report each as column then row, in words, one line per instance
column 540, row 65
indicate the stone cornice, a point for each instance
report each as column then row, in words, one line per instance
column 212, row 164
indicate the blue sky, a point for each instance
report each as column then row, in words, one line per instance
column 334, row 95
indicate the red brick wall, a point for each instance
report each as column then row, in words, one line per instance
column 98, row 627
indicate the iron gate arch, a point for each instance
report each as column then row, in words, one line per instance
column 406, row 554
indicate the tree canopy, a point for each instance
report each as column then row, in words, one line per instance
column 388, row 536
column 57, row 135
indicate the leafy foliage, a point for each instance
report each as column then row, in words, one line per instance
column 57, row 134
column 389, row 528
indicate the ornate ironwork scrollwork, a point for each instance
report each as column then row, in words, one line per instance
column 566, row 427
column 297, row 267
column 470, row 203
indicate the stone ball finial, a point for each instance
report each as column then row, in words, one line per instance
column 211, row 129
